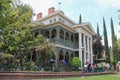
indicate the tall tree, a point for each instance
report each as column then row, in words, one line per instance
column 98, row 33
column 113, row 38
column 115, row 44
column 97, row 45
column 80, row 19
column 106, row 42
column 112, row 32
column 119, row 16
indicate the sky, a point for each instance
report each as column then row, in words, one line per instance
column 92, row 11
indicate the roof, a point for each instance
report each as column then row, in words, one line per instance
column 86, row 25
column 60, row 13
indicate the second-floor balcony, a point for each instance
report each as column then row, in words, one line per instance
column 64, row 42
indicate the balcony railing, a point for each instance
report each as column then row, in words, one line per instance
column 64, row 42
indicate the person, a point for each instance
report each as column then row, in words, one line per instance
column 86, row 68
column 89, row 67
column 92, row 67
column 95, row 67
column 119, row 68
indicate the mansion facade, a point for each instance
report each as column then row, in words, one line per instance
column 70, row 38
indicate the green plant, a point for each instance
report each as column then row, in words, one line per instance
column 29, row 65
column 76, row 62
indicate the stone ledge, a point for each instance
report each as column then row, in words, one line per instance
column 35, row 75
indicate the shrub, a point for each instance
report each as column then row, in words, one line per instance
column 76, row 62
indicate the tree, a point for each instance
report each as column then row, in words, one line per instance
column 112, row 31
column 98, row 33
column 46, row 52
column 114, row 40
column 119, row 15
column 16, row 37
column 97, row 45
column 80, row 19
column 106, row 42
column 117, row 51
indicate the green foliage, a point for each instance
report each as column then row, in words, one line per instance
column 16, row 37
column 114, row 44
column 29, row 65
column 76, row 62
column 98, row 33
column 117, row 51
column 80, row 19
column 6, row 55
column 107, row 52
column 97, row 47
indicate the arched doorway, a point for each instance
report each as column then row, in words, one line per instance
column 67, row 57
column 61, row 55
column 36, row 33
column 67, row 36
column 54, row 33
column 61, row 34
column 47, row 33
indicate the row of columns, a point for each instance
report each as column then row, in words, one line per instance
column 85, row 47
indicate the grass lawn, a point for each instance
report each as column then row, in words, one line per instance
column 100, row 77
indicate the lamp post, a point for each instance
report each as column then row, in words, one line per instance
column 82, row 62
column 56, row 65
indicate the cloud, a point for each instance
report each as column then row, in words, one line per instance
column 116, row 3
column 40, row 5
column 107, row 3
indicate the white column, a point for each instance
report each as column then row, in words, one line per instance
column 91, row 51
column 84, row 48
column 80, row 45
column 88, row 48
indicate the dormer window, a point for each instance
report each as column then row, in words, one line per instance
column 59, row 19
column 50, row 21
column 55, row 20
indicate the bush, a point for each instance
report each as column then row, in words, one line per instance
column 76, row 62
column 29, row 65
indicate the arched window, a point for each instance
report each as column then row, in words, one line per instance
column 67, row 36
column 36, row 33
column 47, row 33
column 61, row 34
column 67, row 57
column 53, row 34
column 61, row 55
column 72, row 38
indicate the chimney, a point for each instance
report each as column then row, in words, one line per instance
column 39, row 16
column 51, row 10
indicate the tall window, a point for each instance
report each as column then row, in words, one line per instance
column 86, row 42
column 82, row 40
column 72, row 38
column 89, row 44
